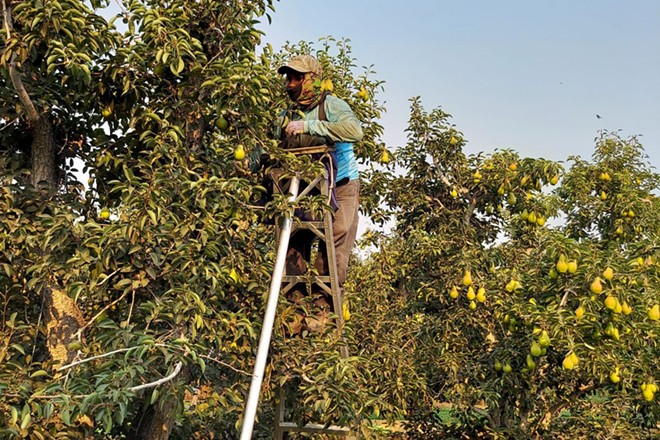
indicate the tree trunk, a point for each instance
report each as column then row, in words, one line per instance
column 43, row 154
column 63, row 320
column 157, row 420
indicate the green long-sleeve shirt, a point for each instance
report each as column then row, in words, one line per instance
column 342, row 124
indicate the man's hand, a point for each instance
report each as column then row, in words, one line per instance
column 294, row 127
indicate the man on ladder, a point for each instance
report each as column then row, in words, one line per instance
column 326, row 116
column 317, row 113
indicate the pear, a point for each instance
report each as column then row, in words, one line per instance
column 579, row 312
column 554, row 179
column 596, row 286
column 626, row 309
column 530, row 362
column 233, row 275
column 470, row 293
column 608, row 273
column 535, row 349
column 654, row 313
column 453, row 292
column 467, row 278
column 239, row 152
column 346, row 313
column 614, row 376
column 221, row 124
column 544, row 339
column 562, row 265
column 454, row 193
column 104, row 214
column 385, row 157
column 572, row 266
column 567, row 363
column 481, row 294
column 610, row 302
column 453, row 140
column 473, row 305
column 497, row 365
column 507, row 368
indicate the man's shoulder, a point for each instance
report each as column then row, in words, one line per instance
column 332, row 99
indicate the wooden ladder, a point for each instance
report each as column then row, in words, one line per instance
column 322, row 230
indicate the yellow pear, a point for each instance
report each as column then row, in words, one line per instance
column 626, row 309
column 648, row 394
column 454, row 193
column 453, row 140
column 385, row 157
column 654, row 312
column 535, row 349
column 507, row 368
column 614, row 376
column 481, row 294
column 467, row 278
column 572, row 266
column 513, row 166
column 608, row 273
column 239, row 152
column 453, row 292
column 603, row 195
column 610, row 302
column 473, row 305
column 567, row 363
column 233, row 275
column 346, row 314
column 562, row 265
column 104, row 214
column 470, row 293
column 596, row 286
column 579, row 312
column 554, row 179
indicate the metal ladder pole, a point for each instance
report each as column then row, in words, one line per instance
column 269, row 320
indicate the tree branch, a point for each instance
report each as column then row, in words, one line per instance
column 171, row 376
column 15, row 76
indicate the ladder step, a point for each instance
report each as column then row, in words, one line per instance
column 305, row 278
column 313, row 427
column 308, row 225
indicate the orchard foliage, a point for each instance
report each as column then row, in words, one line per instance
column 162, row 260
column 476, row 301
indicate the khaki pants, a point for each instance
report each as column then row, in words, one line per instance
column 344, row 225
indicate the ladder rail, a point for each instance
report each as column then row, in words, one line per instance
column 269, row 321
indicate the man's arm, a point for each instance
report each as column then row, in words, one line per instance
column 342, row 126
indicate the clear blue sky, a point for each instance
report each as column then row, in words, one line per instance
column 520, row 74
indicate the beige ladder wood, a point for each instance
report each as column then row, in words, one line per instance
column 322, row 230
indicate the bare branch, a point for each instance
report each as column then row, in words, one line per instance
column 15, row 76
column 171, row 376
